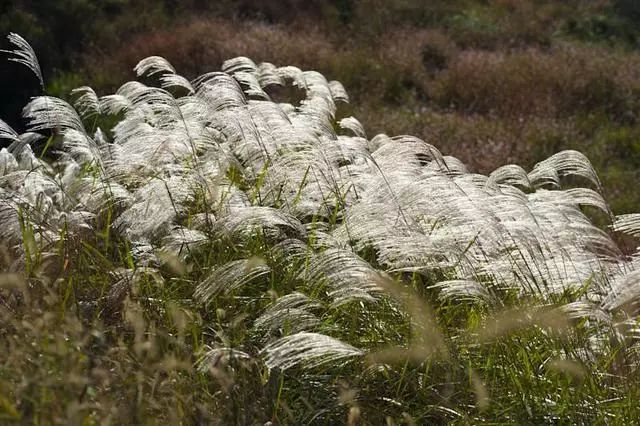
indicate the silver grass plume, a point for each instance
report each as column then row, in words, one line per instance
column 239, row 64
column 87, row 102
column 181, row 241
column 352, row 124
column 564, row 163
column 346, row 276
column 48, row 112
column 174, row 80
column 307, row 349
column 25, row 55
column 628, row 224
column 159, row 65
column 338, row 91
column 462, row 290
column 245, row 220
column 153, row 65
column 229, row 278
column 220, row 357
column 625, row 292
column 8, row 163
column 268, row 75
column 510, row 174
column 6, row 132
column 292, row 312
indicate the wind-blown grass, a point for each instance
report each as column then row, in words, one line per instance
column 247, row 261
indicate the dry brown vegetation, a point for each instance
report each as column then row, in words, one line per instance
column 557, row 82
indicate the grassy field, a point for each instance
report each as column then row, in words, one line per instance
column 225, row 250
column 259, row 241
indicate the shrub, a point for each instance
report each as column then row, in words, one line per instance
column 562, row 82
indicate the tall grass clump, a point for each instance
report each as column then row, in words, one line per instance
column 194, row 251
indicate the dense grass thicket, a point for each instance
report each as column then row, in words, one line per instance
column 224, row 250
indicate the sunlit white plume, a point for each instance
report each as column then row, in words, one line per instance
column 6, row 132
column 309, row 349
column 25, row 55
